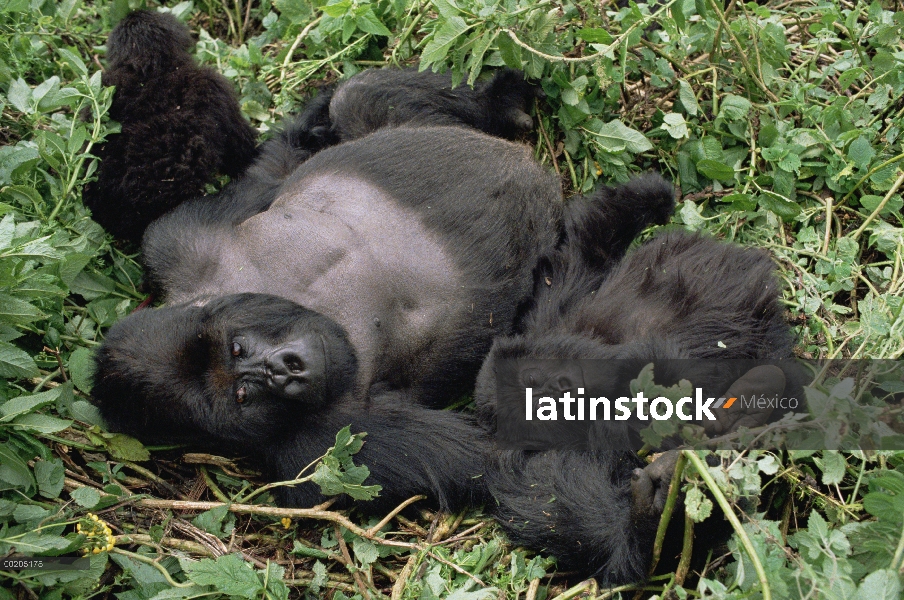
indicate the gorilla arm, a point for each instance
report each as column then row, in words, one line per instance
column 408, row 449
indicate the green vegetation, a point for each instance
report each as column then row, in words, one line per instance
column 782, row 125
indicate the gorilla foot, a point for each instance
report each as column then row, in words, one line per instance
column 765, row 381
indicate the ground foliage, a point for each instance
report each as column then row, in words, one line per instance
column 782, row 124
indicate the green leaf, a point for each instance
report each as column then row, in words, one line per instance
column 734, row 108
column 783, row 208
column 81, row 368
column 229, row 574
column 883, row 584
column 24, row 404
column 365, row 550
column 615, row 137
column 211, row 520
column 337, row 9
column 846, row 78
column 833, row 466
column 438, row 47
column 50, row 476
column 92, row 285
column 85, row 411
column 369, row 23
column 861, row 152
column 885, row 506
column 296, row 12
column 595, row 35
column 892, row 207
column 19, row 95
column 14, row 470
column 676, row 126
column 125, row 447
column 697, row 506
column 16, row 311
column 687, row 97
column 714, row 169
column 38, row 423
column 74, row 62
column 29, row 512
column 15, row 363
column 570, row 96
column 86, row 497
column 690, row 214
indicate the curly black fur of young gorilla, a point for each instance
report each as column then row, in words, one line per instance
column 181, row 126
column 596, row 505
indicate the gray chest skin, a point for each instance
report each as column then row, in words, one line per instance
column 342, row 247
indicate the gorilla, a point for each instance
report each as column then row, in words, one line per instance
column 595, row 504
column 366, row 289
column 180, row 126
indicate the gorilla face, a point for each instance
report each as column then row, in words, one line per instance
column 240, row 370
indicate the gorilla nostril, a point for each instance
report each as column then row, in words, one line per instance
column 294, row 364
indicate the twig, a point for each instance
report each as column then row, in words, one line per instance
column 155, row 564
column 741, row 53
column 304, row 33
column 687, row 549
column 399, row 586
column 376, row 528
column 875, row 213
column 670, row 502
column 701, row 468
column 549, row 147
column 167, row 542
column 350, row 564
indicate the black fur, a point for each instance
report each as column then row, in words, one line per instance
column 181, row 126
column 677, row 296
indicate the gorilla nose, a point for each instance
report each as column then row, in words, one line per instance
column 296, row 370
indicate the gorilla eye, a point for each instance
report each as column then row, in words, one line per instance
column 240, row 394
column 236, row 349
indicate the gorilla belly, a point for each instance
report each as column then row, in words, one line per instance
column 341, row 246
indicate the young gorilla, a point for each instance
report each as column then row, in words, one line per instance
column 677, row 296
column 181, row 125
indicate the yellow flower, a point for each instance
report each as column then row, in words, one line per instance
column 99, row 536
column 286, row 522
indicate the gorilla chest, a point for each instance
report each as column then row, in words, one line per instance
column 345, row 249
